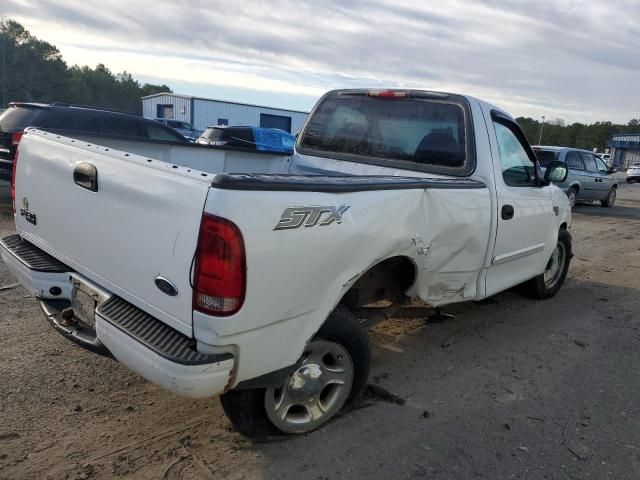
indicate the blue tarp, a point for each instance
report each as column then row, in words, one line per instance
column 273, row 140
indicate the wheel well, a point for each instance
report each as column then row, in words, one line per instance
column 387, row 280
column 563, row 226
column 576, row 187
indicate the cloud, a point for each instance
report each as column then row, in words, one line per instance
column 575, row 60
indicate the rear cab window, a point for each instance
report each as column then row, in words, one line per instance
column 414, row 130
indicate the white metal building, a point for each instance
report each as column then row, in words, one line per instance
column 625, row 149
column 205, row 112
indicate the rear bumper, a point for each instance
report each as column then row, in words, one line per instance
column 145, row 345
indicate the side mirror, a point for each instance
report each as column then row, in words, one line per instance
column 612, row 170
column 556, row 172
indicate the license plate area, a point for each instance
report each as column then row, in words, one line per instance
column 84, row 301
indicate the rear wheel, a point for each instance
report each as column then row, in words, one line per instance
column 547, row 284
column 332, row 374
column 611, row 198
column 572, row 194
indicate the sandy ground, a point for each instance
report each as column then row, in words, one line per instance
column 510, row 388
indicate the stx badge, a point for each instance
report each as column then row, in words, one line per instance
column 295, row 217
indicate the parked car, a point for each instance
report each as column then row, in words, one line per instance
column 633, row 172
column 184, row 128
column 589, row 177
column 258, row 138
column 243, row 279
column 72, row 118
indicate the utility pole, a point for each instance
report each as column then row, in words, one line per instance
column 541, row 127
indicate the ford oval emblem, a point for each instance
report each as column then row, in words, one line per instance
column 165, row 286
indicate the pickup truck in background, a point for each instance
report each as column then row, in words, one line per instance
column 211, row 272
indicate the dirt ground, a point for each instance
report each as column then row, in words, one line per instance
column 510, row 388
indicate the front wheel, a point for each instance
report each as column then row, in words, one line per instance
column 332, row 373
column 610, row 200
column 547, row 284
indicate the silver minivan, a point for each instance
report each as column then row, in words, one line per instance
column 589, row 177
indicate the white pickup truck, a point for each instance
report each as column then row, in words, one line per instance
column 211, row 272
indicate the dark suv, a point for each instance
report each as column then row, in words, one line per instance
column 65, row 118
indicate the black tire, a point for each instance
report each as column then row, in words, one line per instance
column 611, row 198
column 246, row 408
column 572, row 195
column 537, row 287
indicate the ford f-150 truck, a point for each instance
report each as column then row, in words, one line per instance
column 211, row 272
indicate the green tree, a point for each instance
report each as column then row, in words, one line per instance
column 576, row 135
column 34, row 71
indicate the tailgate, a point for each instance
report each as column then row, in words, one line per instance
column 142, row 222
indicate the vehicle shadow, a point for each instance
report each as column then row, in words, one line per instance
column 617, row 211
column 501, row 373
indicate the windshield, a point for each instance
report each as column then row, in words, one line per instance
column 424, row 132
column 17, row 118
column 545, row 157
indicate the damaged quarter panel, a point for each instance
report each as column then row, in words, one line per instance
column 455, row 230
column 444, row 232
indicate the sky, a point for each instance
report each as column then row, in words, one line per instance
column 574, row 60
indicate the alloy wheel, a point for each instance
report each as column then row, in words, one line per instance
column 315, row 392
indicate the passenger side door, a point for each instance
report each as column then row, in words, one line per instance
column 592, row 178
column 525, row 229
column 607, row 179
column 574, row 161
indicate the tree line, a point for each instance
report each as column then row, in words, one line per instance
column 33, row 70
column 577, row 135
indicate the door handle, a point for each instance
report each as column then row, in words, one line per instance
column 85, row 175
column 507, row 212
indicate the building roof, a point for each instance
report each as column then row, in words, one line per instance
column 630, row 134
column 190, row 97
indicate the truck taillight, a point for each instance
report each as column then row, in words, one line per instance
column 387, row 93
column 15, row 138
column 13, row 181
column 220, row 268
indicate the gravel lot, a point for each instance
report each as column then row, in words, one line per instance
column 510, row 388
